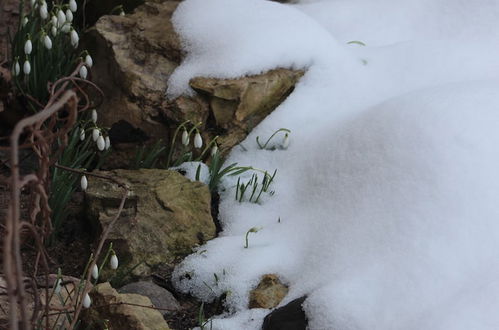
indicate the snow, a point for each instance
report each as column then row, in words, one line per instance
column 387, row 193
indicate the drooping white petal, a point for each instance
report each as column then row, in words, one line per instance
column 73, row 5
column 74, row 38
column 17, row 68
column 95, row 134
column 113, row 263
column 69, row 16
column 83, row 72
column 285, row 141
column 44, row 13
column 61, row 18
column 82, row 134
column 86, row 301
column 198, row 140
column 83, row 183
column 108, row 143
column 89, row 61
column 47, row 42
column 28, row 47
column 214, row 150
column 95, row 272
column 93, row 116
column 26, row 67
column 185, row 138
column 101, row 143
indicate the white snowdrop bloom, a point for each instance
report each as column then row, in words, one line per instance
column 17, row 68
column 185, row 138
column 107, row 140
column 28, row 47
column 89, row 61
column 95, row 134
column 61, row 18
column 44, row 13
column 74, row 38
column 95, row 272
column 93, row 115
column 53, row 20
column 66, row 27
column 285, row 141
column 198, row 140
column 86, row 301
column 47, row 42
column 113, row 263
column 101, row 144
column 25, row 21
column 82, row 134
column 73, row 5
column 83, row 72
column 214, row 150
column 69, row 16
column 83, row 183
column 122, row 13
column 26, row 67
column 57, row 286
column 54, row 31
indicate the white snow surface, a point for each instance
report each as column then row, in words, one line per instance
column 388, row 193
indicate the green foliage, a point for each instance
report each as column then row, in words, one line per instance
column 148, row 157
column 266, row 144
column 217, row 172
column 251, row 230
column 256, row 188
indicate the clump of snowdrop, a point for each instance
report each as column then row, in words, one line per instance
column 268, row 146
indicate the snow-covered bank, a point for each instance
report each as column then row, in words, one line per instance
column 387, row 193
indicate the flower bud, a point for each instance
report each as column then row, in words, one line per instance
column 74, row 38
column 47, row 42
column 93, row 116
column 214, row 150
column 44, row 13
column 101, row 144
column 53, row 29
column 83, row 72
column 82, row 134
column 73, row 6
column 113, row 263
column 185, row 137
column 53, row 20
column 285, row 141
column 17, row 68
column 95, row 272
column 61, row 18
column 26, row 67
column 28, row 47
column 83, row 183
column 89, row 61
column 25, row 21
column 108, row 143
column 86, row 301
column 122, row 13
column 198, row 141
column 95, row 134
column 66, row 27
column 69, row 16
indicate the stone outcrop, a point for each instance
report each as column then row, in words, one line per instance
column 122, row 311
column 165, row 216
column 288, row 317
column 160, row 297
column 269, row 292
column 135, row 55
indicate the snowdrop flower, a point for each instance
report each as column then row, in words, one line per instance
column 82, row 134
column 107, row 143
column 54, row 31
column 73, row 6
column 57, row 286
column 86, row 301
column 44, row 13
column 101, row 144
column 53, row 20
column 61, row 18
column 83, row 183
column 83, row 72
column 74, row 38
column 47, row 42
column 66, row 27
column 198, row 141
column 25, row 21
column 185, row 137
column 285, row 141
column 26, row 67
column 28, row 46
column 95, row 272
column 33, row 3
column 122, row 13
column 17, row 68
column 69, row 16
column 214, row 150
column 113, row 263
column 89, row 61
column 93, row 116
column 95, row 134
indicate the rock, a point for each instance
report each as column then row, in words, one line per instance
column 165, row 216
column 121, row 311
column 134, row 57
column 160, row 297
column 288, row 317
column 9, row 16
column 269, row 292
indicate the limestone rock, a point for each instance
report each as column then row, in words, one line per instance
column 288, row 317
column 160, row 297
column 121, row 311
column 134, row 57
column 165, row 216
column 269, row 292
